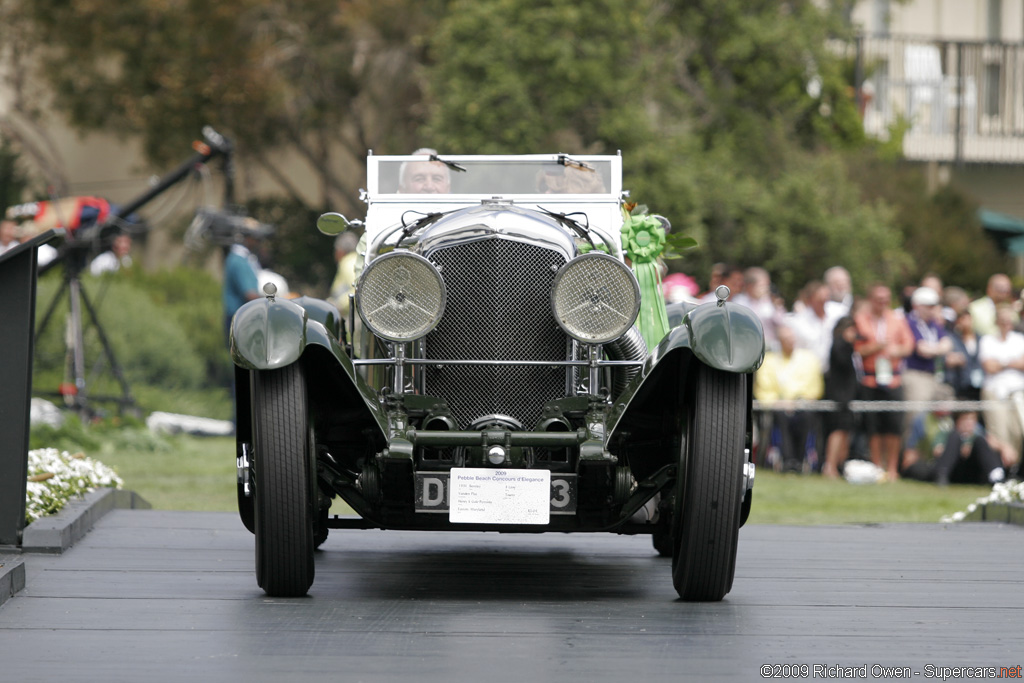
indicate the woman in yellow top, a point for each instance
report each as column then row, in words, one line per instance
column 789, row 375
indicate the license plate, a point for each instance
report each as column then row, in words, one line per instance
column 493, row 496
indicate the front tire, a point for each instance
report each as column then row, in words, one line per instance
column 283, row 482
column 708, row 499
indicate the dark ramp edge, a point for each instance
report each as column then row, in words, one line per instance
column 12, row 576
column 56, row 533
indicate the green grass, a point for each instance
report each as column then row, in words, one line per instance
column 199, row 474
column 194, row 473
column 809, row 499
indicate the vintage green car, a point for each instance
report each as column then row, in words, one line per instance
column 491, row 378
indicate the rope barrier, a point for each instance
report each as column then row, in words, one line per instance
column 859, row 406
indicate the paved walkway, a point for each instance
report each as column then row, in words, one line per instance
column 171, row 596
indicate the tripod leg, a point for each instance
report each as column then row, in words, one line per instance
column 78, row 347
column 49, row 312
column 115, row 367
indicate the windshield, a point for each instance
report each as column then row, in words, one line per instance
column 494, row 176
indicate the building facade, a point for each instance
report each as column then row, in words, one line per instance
column 949, row 76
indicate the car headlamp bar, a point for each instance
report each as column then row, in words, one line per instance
column 537, row 363
column 422, row 437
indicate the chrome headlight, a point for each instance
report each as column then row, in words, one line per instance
column 400, row 296
column 595, row 298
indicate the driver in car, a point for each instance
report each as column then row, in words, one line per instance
column 424, row 177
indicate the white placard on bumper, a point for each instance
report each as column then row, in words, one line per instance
column 486, row 496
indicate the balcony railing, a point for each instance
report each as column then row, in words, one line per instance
column 961, row 101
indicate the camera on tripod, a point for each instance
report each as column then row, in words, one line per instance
column 91, row 224
column 222, row 228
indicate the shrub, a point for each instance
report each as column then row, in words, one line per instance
column 151, row 346
column 298, row 251
column 99, row 436
column 192, row 297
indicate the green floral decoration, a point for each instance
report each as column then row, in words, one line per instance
column 645, row 240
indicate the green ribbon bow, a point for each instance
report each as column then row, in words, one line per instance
column 643, row 238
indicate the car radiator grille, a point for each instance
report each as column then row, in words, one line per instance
column 498, row 308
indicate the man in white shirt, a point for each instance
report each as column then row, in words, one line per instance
column 119, row 256
column 1002, row 357
column 757, row 296
column 840, row 291
column 814, row 323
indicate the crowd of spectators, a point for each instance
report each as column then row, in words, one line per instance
column 908, row 356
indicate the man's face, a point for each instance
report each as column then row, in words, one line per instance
column 930, row 313
column 1005, row 320
column 881, row 300
column 426, row 177
column 122, row 245
column 757, row 286
column 934, row 283
column 716, row 276
column 839, row 284
column 1000, row 290
column 966, row 423
column 818, row 299
column 7, row 230
column 734, row 281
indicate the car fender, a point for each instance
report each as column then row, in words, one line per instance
column 268, row 333
column 324, row 312
column 724, row 335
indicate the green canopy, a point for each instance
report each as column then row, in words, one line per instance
column 1008, row 231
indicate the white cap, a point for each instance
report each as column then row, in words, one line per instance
column 925, row 296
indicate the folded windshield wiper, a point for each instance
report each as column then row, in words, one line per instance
column 581, row 229
column 450, row 164
column 566, row 160
column 422, row 222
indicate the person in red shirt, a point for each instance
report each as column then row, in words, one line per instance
column 884, row 341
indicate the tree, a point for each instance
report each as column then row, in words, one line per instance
column 318, row 81
column 12, row 179
column 940, row 230
column 733, row 117
column 23, row 98
column 514, row 77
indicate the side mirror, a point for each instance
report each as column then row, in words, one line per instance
column 334, row 223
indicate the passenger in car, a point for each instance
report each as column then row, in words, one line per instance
column 568, row 180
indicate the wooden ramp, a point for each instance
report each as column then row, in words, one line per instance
column 171, row 596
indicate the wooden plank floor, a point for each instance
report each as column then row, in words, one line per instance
column 171, row 596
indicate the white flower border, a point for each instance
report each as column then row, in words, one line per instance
column 1005, row 492
column 55, row 477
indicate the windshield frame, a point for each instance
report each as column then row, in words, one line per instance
column 381, row 178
